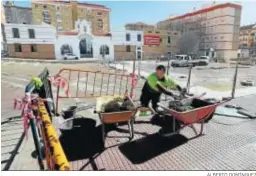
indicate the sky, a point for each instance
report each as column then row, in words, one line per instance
column 150, row 12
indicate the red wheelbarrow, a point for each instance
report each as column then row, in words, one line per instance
column 201, row 112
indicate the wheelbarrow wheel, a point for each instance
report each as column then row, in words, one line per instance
column 209, row 118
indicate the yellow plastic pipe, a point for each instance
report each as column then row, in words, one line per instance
column 59, row 156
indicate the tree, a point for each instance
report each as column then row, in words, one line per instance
column 188, row 43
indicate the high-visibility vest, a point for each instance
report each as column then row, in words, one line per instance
column 167, row 83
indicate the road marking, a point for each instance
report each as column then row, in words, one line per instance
column 13, row 84
column 17, row 78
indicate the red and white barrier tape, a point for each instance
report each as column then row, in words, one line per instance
column 58, row 80
column 27, row 105
column 134, row 80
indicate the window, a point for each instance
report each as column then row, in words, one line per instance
column 65, row 49
column 160, row 40
column 169, row 39
column 15, row 33
column 99, row 13
column 58, row 16
column 33, row 48
column 45, row 6
column 128, row 37
column 17, row 48
column 99, row 27
column 104, row 49
column 31, row 33
column 139, row 37
column 36, row 6
column 149, row 31
column 24, row 23
column 175, row 33
column 157, row 32
column 128, row 48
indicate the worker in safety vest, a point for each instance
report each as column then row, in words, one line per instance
column 156, row 84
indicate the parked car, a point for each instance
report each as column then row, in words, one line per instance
column 4, row 54
column 69, row 56
column 203, row 60
column 183, row 61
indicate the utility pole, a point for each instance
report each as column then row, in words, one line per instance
column 168, row 64
column 189, row 78
column 234, row 81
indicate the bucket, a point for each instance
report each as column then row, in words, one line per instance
column 69, row 112
column 66, row 125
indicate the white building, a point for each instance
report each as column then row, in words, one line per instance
column 243, row 53
column 128, row 44
column 30, row 41
column 83, row 44
column 3, row 40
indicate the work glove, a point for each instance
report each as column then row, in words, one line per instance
column 176, row 97
column 183, row 92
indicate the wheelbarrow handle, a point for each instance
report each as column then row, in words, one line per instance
column 194, row 96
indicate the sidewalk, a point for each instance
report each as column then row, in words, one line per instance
column 89, row 60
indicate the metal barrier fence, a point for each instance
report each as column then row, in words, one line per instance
column 88, row 84
column 43, row 132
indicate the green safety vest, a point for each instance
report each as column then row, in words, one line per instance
column 167, row 83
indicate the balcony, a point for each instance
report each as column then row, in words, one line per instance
column 59, row 28
column 46, row 10
column 47, row 21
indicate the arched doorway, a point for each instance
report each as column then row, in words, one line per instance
column 66, row 48
column 85, row 47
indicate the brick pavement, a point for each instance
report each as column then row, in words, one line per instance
column 223, row 147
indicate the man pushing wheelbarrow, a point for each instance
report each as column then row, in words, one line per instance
column 156, row 84
column 182, row 111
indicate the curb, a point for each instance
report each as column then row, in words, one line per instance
column 51, row 61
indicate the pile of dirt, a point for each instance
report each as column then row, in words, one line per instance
column 118, row 105
column 178, row 106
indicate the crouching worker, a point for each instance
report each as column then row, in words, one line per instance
column 156, row 84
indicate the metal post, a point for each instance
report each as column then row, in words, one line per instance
column 37, row 144
column 133, row 74
column 189, row 78
column 134, row 66
column 168, row 65
column 139, row 67
column 234, row 81
column 123, row 65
